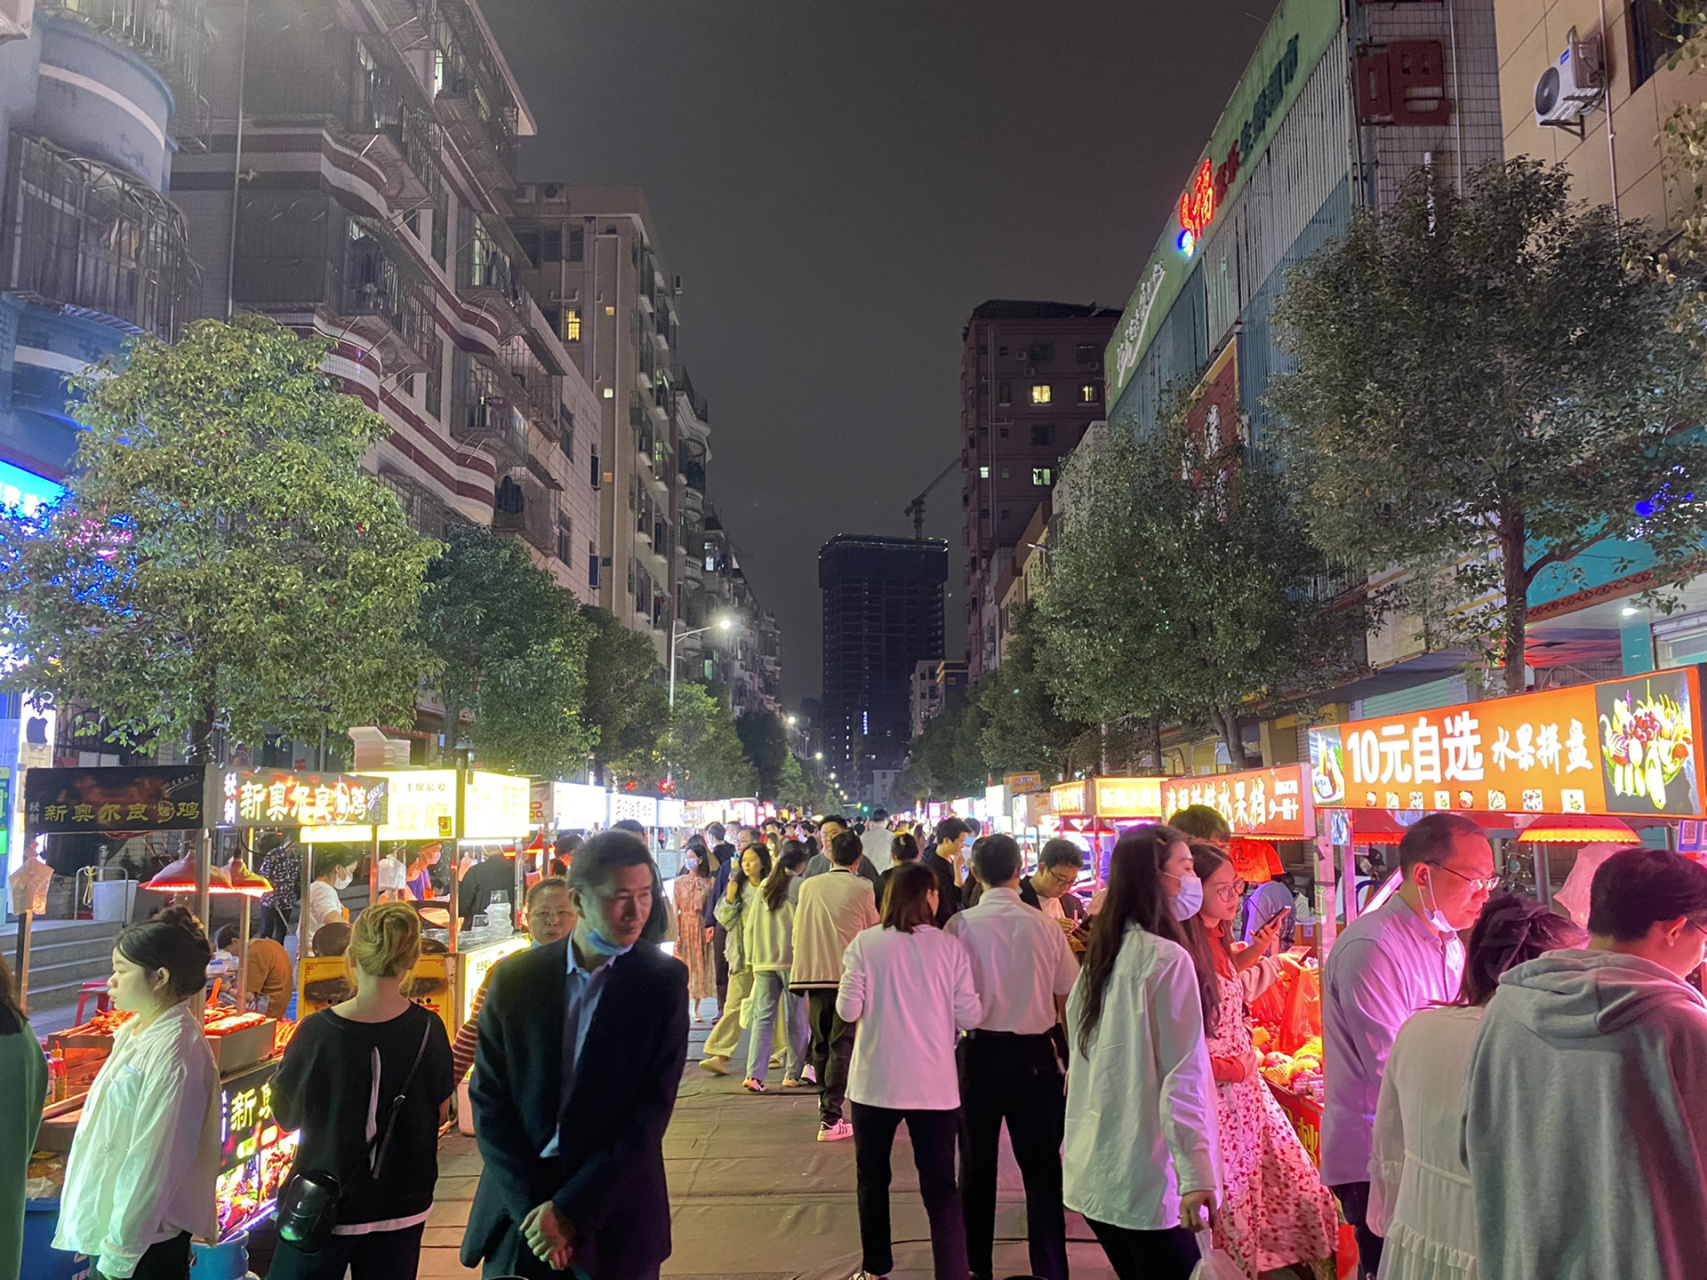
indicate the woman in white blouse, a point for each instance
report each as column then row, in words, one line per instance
column 1419, row 1189
column 909, row 986
column 1140, row 1160
column 139, row 1181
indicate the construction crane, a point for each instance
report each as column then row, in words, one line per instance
column 916, row 508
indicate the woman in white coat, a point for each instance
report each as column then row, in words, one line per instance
column 909, row 986
column 140, row 1178
column 1419, row 1190
column 1140, row 1160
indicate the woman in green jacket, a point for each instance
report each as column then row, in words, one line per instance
column 23, row 1086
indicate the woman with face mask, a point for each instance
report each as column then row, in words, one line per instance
column 1140, row 1159
column 139, row 1181
column 334, row 869
column 1275, row 1210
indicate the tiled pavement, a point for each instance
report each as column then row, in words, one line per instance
column 755, row 1196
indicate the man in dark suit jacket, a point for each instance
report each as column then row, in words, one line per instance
column 581, row 1049
column 944, row 862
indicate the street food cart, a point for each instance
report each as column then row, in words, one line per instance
column 1091, row 811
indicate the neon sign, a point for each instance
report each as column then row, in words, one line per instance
column 1197, row 208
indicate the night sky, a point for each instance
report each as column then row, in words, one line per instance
column 838, row 185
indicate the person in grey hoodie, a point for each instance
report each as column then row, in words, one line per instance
column 1585, row 1107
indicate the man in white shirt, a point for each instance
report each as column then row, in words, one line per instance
column 875, row 840
column 1402, row 957
column 1011, row 1064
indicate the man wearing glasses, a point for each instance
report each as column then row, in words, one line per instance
column 1401, row 957
column 1049, row 887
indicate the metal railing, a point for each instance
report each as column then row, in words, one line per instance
column 170, row 34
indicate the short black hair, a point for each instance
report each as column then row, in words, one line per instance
column 1061, row 852
column 173, row 941
column 951, row 829
column 603, row 854
column 880, row 815
column 629, row 825
column 1638, row 886
column 566, row 844
column 330, row 856
column 225, row 937
column 835, row 818
column 715, row 830
column 846, row 848
column 996, row 860
column 1430, row 839
column 1201, row 822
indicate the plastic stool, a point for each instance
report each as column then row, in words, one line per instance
column 103, row 998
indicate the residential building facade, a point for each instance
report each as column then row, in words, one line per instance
column 1030, row 382
column 883, row 614
column 934, row 682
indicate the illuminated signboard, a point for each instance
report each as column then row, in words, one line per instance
column 255, row 1157
column 281, row 798
column 139, row 798
column 25, row 492
column 1068, row 798
column 1630, row 746
column 1023, row 784
column 496, row 807
column 1255, row 802
column 578, row 806
column 625, row 807
column 671, row 813
column 1128, row 797
column 423, row 804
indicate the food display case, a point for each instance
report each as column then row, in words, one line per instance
column 474, row 964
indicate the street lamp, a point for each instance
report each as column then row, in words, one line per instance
column 792, row 721
column 722, row 624
column 817, row 755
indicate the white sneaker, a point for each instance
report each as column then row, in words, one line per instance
column 868, row 1275
column 835, row 1133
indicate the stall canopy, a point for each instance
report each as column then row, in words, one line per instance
column 1627, row 747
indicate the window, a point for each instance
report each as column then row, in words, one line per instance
column 1089, row 353
column 577, row 245
column 1043, row 476
column 435, row 387
column 1039, row 353
column 1042, row 435
column 1002, row 351
column 1004, row 473
column 1089, row 393
column 570, row 328
column 1040, row 393
column 983, row 473
column 595, row 470
column 565, row 546
column 1656, row 31
column 592, row 566
column 1004, row 393
column 552, row 244
column 529, row 241
column 1004, row 433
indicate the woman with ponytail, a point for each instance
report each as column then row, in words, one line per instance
column 139, row 1181
column 1140, row 1160
column 367, row 1083
column 1419, row 1191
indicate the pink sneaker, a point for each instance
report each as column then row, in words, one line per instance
column 753, row 1086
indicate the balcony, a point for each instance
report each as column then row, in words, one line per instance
column 489, row 280
column 482, row 416
column 81, row 233
column 405, row 151
column 425, row 512
column 524, row 507
column 170, row 34
column 541, row 388
column 470, row 96
column 381, row 306
column 693, row 471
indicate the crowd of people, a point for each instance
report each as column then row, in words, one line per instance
column 1508, row 1094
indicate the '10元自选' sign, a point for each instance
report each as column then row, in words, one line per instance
column 1629, row 746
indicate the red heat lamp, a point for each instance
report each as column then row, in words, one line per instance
column 1576, row 828
column 232, row 880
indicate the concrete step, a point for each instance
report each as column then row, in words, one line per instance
column 64, row 954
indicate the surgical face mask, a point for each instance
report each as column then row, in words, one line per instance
column 603, row 945
column 1432, row 911
column 341, row 879
column 1189, row 900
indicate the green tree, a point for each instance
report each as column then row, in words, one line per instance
column 1492, row 384
column 219, row 558
column 765, row 741
column 625, row 712
column 512, row 647
column 1182, row 587
column 946, row 761
column 710, row 762
column 1022, row 730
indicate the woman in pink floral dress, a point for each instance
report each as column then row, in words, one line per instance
column 1274, row 1210
column 692, row 947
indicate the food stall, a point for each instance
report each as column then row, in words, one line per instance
column 1091, row 811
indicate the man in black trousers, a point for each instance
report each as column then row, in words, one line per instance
column 581, row 1050
column 1011, row 1067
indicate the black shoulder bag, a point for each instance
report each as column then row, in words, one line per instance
column 308, row 1203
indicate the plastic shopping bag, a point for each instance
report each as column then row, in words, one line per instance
column 1216, row 1264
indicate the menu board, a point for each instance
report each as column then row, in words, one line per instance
column 254, row 1155
column 1255, row 802
column 1629, row 746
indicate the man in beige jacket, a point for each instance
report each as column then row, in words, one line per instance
column 832, row 908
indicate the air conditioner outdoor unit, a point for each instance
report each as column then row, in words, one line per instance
column 1573, row 85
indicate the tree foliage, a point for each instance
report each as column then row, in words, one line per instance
column 1492, row 384
column 626, row 715
column 219, row 557
column 699, row 747
column 512, row 646
column 946, row 761
column 1022, row 729
column 765, row 741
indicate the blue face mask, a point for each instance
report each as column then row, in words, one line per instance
column 603, row 945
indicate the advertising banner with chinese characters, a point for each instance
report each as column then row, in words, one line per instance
column 255, row 1156
column 281, row 798
column 422, row 805
column 626, row 807
column 140, row 798
column 1127, row 797
column 1629, row 746
column 1069, row 799
column 1255, row 802
column 496, row 806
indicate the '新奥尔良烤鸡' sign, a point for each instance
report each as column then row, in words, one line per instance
column 1629, row 746
column 281, row 798
column 119, row 798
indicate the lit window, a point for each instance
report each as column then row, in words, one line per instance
column 1004, row 473
column 1088, row 393
column 983, row 473
column 1040, row 393
column 1042, row 475
column 571, row 327
column 610, row 309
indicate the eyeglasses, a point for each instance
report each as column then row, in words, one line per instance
column 1487, row 883
column 1063, row 878
column 1231, row 892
